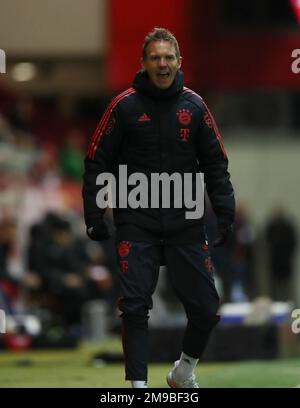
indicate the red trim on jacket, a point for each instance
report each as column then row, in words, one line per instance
column 215, row 127
column 104, row 121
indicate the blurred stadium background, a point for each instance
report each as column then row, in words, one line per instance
column 65, row 59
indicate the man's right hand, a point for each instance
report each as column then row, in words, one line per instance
column 98, row 232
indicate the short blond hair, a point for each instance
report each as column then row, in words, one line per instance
column 160, row 34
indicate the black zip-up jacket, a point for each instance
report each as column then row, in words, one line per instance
column 154, row 131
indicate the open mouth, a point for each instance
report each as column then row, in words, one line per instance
column 164, row 75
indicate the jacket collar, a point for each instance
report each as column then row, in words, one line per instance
column 143, row 84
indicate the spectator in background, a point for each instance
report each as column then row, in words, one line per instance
column 22, row 115
column 6, row 134
column 72, row 155
column 242, row 282
column 62, row 272
column 10, row 268
column 233, row 262
column 281, row 242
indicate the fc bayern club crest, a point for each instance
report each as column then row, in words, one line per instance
column 184, row 116
column 124, row 248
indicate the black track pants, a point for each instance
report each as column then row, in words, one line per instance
column 190, row 273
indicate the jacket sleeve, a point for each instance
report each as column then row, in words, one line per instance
column 102, row 156
column 213, row 162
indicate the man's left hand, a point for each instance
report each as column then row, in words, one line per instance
column 225, row 232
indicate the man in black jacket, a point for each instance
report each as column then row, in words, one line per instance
column 160, row 127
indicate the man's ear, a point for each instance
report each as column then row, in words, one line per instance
column 142, row 62
column 180, row 62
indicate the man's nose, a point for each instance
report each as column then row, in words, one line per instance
column 162, row 62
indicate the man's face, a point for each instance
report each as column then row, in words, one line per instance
column 161, row 63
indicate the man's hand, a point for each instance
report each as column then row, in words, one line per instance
column 98, row 232
column 225, row 232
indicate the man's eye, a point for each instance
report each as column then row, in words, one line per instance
column 170, row 57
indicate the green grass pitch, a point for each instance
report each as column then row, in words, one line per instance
column 74, row 368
